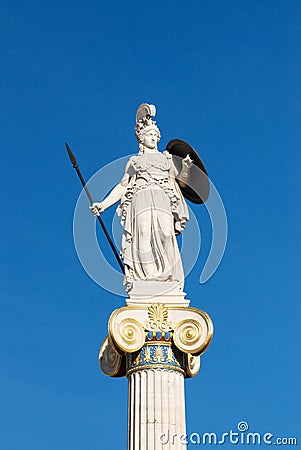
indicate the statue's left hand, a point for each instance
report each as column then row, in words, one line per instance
column 187, row 162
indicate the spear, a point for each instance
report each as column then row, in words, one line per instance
column 75, row 165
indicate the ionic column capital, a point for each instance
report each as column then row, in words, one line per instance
column 137, row 333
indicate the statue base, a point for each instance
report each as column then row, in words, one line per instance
column 144, row 293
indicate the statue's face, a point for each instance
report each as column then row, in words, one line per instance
column 150, row 139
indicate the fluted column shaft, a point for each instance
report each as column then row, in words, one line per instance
column 156, row 409
column 156, row 412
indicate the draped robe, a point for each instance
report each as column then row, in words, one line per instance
column 152, row 212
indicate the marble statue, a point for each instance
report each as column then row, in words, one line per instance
column 152, row 208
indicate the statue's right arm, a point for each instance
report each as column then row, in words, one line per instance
column 113, row 197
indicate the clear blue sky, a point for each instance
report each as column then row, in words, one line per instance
column 225, row 76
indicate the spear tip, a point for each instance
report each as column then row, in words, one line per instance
column 71, row 156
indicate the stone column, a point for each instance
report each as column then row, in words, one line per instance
column 156, row 407
column 156, row 346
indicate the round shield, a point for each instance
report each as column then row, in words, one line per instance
column 196, row 187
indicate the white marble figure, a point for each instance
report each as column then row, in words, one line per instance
column 152, row 208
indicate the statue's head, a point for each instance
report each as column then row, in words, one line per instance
column 146, row 128
column 147, row 131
